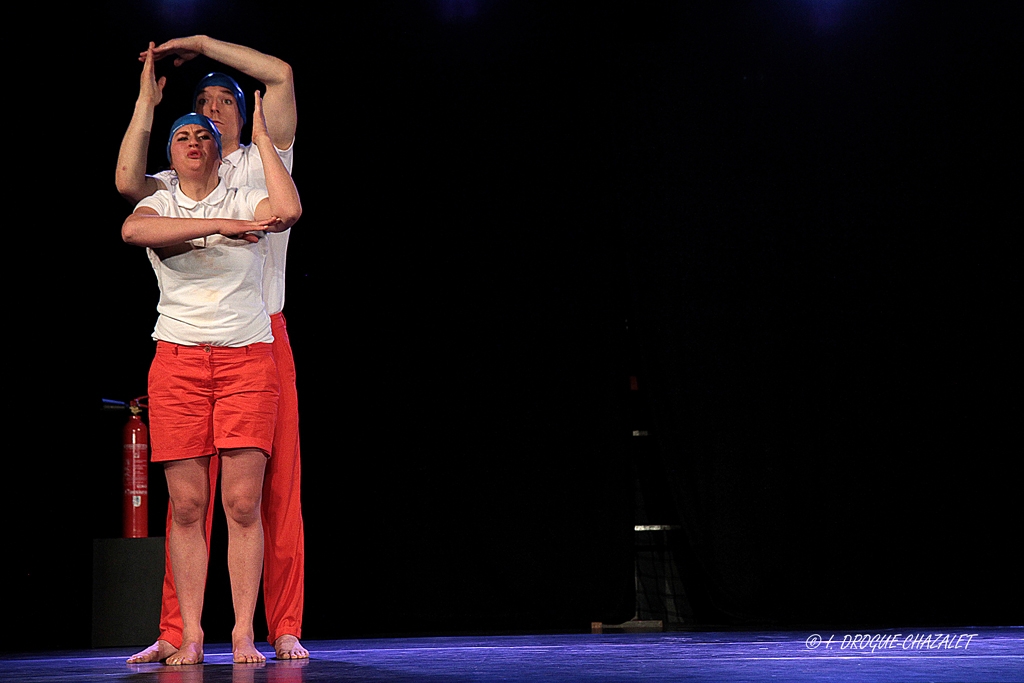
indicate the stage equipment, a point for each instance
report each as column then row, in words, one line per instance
column 136, row 473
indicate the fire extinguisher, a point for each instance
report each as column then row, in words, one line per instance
column 136, row 474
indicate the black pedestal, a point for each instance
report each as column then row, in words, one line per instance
column 127, row 577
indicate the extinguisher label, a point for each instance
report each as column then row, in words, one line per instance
column 136, row 469
column 136, row 501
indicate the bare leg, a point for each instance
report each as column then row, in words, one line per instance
column 289, row 647
column 188, row 487
column 241, row 489
column 170, row 616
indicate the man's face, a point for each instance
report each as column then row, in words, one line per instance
column 220, row 106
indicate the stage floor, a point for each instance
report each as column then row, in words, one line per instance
column 964, row 655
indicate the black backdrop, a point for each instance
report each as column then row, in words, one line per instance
column 800, row 208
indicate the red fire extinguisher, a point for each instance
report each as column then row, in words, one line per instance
column 136, row 474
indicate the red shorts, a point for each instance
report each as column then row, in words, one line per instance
column 204, row 399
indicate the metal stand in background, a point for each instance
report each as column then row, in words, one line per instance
column 661, row 601
column 660, row 595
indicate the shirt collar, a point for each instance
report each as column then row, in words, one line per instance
column 215, row 197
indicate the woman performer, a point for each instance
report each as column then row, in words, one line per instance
column 213, row 384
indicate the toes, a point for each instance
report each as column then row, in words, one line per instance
column 249, row 658
column 184, row 657
column 150, row 654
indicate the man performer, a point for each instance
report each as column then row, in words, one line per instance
column 219, row 97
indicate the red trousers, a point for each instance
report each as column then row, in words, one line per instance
column 283, row 539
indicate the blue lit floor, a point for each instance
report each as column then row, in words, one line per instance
column 969, row 654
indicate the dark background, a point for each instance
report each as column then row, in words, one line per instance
column 789, row 220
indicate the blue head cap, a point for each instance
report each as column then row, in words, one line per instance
column 199, row 120
column 224, row 81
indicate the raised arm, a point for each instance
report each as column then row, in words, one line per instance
column 274, row 73
column 282, row 200
column 130, row 177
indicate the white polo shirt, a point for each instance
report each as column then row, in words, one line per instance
column 244, row 168
column 213, row 293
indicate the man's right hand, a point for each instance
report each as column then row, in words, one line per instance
column 183, row 49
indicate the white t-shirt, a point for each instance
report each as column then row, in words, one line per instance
column 244, row 168
column 213, row 293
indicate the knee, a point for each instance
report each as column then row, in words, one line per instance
column 188, row 510
column 243, row 508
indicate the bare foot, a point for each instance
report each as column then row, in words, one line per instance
column 289, row 647
column 244, row 651
column 190, row 652
column 157, row 652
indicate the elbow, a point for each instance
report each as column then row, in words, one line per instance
column 292, row 217
column 129, row 196
column 284, row 72
column 129, row 190
column 130, row 230
column 278, row 74
column 296, row 214
column 123, row 187
column 287, row 212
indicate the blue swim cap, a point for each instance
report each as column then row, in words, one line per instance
column 199, row 120
column 224, row 81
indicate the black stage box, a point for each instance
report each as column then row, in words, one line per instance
column 127, row 576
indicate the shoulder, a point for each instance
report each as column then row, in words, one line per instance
column 165, row 179
column 160, row 201
column 251, row 196
column 252, row 154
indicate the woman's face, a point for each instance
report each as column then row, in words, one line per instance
column 194, row 151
